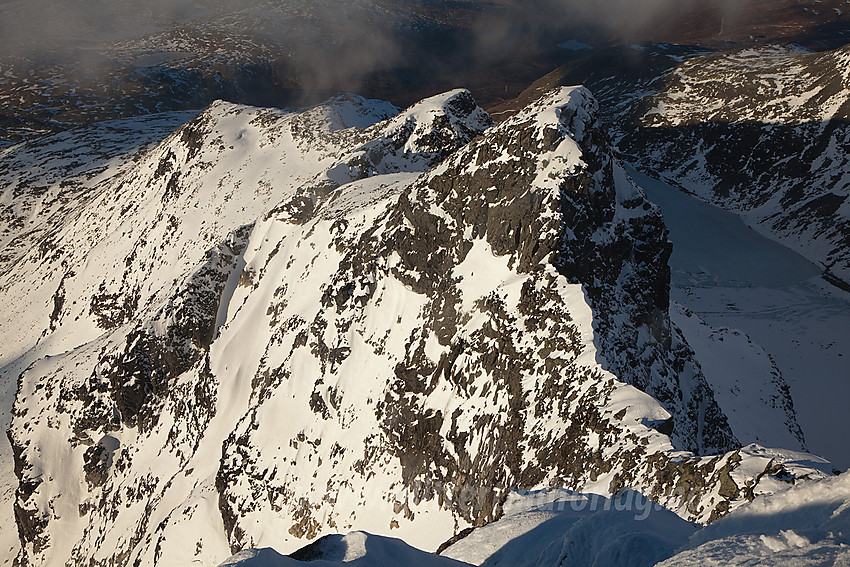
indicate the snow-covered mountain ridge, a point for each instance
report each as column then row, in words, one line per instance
column 804, row 525
column 762, row 133
column 275, row 325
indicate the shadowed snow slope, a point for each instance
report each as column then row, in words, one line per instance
column 779, row 332
column 357, row 549
column 806, row 525
column 563, row 528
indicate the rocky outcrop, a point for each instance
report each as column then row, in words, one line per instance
column 292, row 324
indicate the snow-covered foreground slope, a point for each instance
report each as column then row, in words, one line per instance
column 275, row 325
column 564, row 528
column 807, row 524
column 357, row 549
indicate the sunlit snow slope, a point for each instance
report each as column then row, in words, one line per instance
column 273, row 326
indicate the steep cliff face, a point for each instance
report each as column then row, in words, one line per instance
column 274, row 326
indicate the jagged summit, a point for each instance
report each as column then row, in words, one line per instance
column 415, row 139
column 455, row 110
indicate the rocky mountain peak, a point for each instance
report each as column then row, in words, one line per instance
column 295, row 322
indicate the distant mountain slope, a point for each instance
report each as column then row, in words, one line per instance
column 765, row 133
column 63, row 63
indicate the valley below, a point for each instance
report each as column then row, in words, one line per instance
column 734, row 278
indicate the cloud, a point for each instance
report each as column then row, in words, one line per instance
column 41, row 25
column 331, row 45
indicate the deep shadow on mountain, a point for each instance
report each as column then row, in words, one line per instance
column 789, row 175
column 792, row 177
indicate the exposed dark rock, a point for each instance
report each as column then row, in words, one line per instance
column 352, row 358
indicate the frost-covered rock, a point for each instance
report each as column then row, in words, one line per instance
column 274, row 326
column 805, row 525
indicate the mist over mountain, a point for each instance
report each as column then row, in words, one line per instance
column 67, row 63
column 431, row 282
